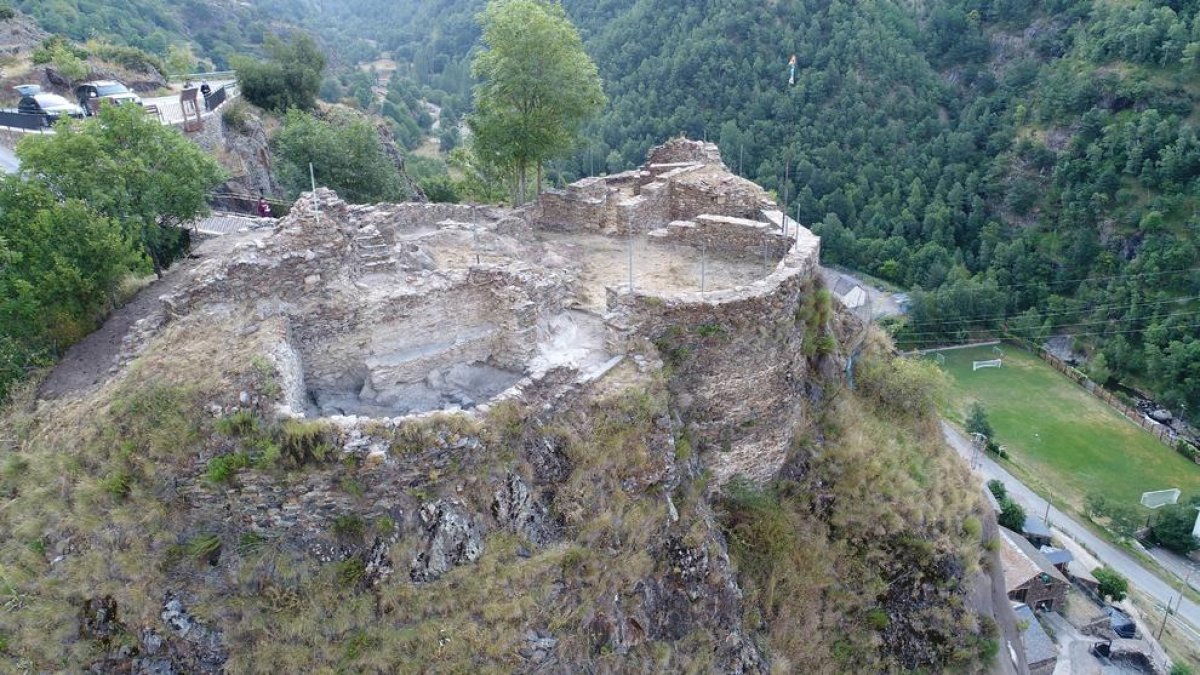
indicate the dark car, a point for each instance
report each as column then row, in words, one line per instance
column 52, row 106
column 1121, row 624
column 105, row 90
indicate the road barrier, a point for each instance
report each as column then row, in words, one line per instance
column 18, row 120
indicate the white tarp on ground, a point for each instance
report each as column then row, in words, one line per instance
column 854, row 298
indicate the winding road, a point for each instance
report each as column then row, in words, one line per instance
column 1122, row 562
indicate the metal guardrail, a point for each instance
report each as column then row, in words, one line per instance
column 215, row 99
column 215, row 75
column 18, row 120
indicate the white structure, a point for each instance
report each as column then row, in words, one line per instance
column 1196, row 528
column 1156, row 499
column 994, row 363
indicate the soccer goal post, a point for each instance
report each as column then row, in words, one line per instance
column 1153, row 500
column 940, row 358
column 993, row 363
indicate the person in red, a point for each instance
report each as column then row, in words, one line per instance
column 264, row 209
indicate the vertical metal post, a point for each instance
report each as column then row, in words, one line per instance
column 475, row 234
column 312, row 176
column 741, row 150
column 631, row 263
column 787, row 176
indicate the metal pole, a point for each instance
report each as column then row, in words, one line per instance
column 631, row 263
column 741, row 150
column 1047, row 518
column 312, row 176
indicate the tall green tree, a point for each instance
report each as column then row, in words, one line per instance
column 537, row 87
column 346, row 153
column 128, row 167
column 1173, row 528
column 59, row 266
column 289, row 78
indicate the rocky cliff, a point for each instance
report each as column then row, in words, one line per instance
column 380, row 438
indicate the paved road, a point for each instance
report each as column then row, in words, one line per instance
column 172, row 112
column 1110, row 555
column 8, row 161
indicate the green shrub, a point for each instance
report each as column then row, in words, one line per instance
column 907, row 387
column 117, row 484
column 204, row 547
column 240, row 423
column 877, row 619
column 350, row 572
column 349, row 526
column 1012, row 515
column 1112, row 584
column 998, row 490
column 303, row 442
column 7, row 13
column 236, row 116
column 223, row 468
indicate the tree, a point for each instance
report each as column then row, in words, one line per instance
column 128, row 167
column 1173, row 528
column 289, row 78
column 1012, row 515
column 977, row 421
column 998, row 490
column 346, row 153
column 537, row 87
column 1112, row 584
column 59, row 266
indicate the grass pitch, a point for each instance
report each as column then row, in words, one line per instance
column 1061, row 439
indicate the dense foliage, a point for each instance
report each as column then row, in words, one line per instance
column 1027, row 168
column 60, row 266
column 346, row 155
column 130, row 168
column 537, row 86
column 290, row 76
column 1112, row 584
column 1173, row 527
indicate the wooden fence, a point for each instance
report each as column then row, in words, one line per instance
column 1162, row 432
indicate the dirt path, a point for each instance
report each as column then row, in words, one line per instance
column 92, row 361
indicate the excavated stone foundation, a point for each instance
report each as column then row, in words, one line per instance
column 400, row 309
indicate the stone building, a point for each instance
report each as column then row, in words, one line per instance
column 1028, row 576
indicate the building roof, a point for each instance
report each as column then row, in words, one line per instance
column 1057, row 556
column 1039, row 648
column 1035, row 526
column 1022, row 562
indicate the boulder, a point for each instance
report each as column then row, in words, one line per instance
column 452, row 538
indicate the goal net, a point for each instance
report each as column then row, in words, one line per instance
column 993, row 363
column 1153, row 500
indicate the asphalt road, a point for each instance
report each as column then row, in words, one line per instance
column 1119, row 560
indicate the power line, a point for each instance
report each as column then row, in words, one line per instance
column 935, row 341
column 1085, row 323
column 1081, row 310
column 999, row 287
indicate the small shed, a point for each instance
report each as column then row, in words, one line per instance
column 1040, row 651
column 1036, row 531
column 1059, row 557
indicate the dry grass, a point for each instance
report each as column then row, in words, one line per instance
column 882, row 499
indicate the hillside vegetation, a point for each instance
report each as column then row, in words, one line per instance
column 994, row 153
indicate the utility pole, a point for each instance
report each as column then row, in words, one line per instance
column 1178, row 601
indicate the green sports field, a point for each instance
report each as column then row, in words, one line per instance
column 1060, row 438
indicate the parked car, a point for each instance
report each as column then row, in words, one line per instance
column 52, row 106
column 105, row 90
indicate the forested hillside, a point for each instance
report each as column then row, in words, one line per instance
column 992, row 152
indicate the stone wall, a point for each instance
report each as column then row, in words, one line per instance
column 737, row 359
column 681, row 150
column 733, row 237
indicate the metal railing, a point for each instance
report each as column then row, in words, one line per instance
column 214, row 99
column 19, row 120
